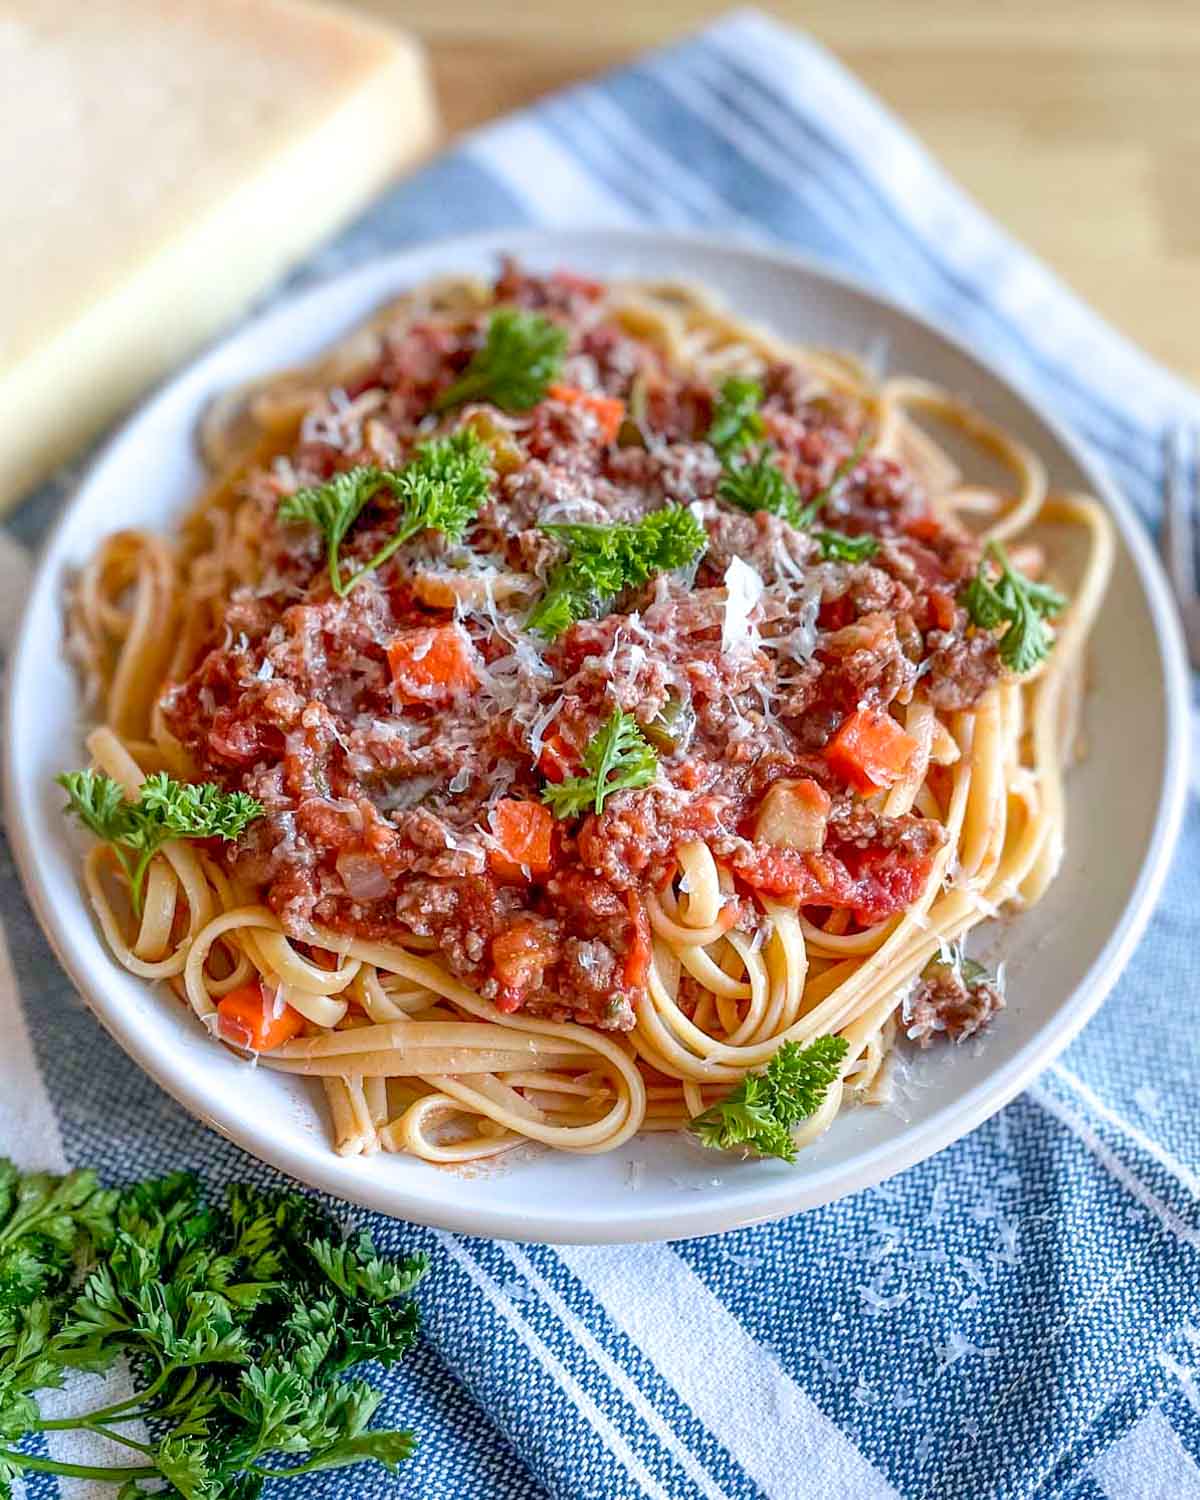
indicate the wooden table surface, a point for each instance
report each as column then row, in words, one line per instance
column 1073, row 122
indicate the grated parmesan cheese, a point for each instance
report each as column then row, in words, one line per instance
column 743, row 594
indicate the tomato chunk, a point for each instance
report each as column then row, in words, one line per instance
column 525, row 830
column 870, row 751
column 637, row 958
column 246, row 1018
column 520, row 955
column 430, row 665
column 557, row 759
column 609, row 411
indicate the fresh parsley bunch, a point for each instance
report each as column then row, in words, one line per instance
column 521, row 357
column 1016, row 602
column 166, row 809
column 239, row 1324
column 604, row 560
column 440, row 489
column 617, row 758
column 761, row 1112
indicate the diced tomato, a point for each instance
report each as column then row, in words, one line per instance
column 870, row 751
column 609, row 411
column 837, row 613
column 430, row 665
column 872, row 883
column 520, row 954
column 246, row 1017
column 637, row 956
column 941, row 607
column 584, row 285
column 557, row 760
column 526, row 832
column 884, row 883
column 925, row 528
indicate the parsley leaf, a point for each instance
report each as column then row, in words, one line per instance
column 762, row 1110
column 836, row 546
column 607, row 559
column 237, row 1322
column 440, row 489
column 1016, row 602
column 757, row 484
column 166, row 809
column 617, row 758
column 737, row 421
column 521, row 356
column 843, row 472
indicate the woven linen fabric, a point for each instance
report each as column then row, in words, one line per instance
column 1017, row 1317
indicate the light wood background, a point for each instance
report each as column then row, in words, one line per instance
column 1076, row 123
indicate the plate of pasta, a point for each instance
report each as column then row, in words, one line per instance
column 594, row 736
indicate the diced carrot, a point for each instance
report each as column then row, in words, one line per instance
column 430, row 665
column 526, row 832
column 246, row 1018
column 557, row 760
column 609, row 411
column 637, row 958
column 870, row 750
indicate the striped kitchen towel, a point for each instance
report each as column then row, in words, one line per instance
column 1019, row 1316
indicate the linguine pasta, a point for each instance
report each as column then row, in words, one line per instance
column 416, row 1053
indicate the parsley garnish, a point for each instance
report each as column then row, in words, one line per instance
column 843, row 471
column 166, row 809
column 763, row 1109
column 737, row 421
column 617, row 758
column 238, row 1324
column 521, row 356
column 441, row 489
column 605, row 560
column 1016, row 602
column 836, row 546
column 757, row 484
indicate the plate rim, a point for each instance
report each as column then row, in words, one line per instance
column 912, row 1144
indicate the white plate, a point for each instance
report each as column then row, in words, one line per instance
column 1062, row 957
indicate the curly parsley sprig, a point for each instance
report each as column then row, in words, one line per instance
column 737, row 421
column 604, row 560
column 762, row 1111
column 617, row 758
column 238, row 1324
column 440, row 489
column 165, row 809
column 1016, row 602
column 757, row 483
column 521, row 357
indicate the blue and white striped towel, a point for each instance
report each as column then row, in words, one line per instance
column 1019, row 1316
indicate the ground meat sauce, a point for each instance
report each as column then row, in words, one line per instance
column 953, row 1000
column 380, row 806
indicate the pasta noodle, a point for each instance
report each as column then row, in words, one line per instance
column 410, row 1055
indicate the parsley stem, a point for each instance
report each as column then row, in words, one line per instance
column 79, row 1471
column 93, row 1423
column 398, row 539
column 320, row 1460
column 124, row 1410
